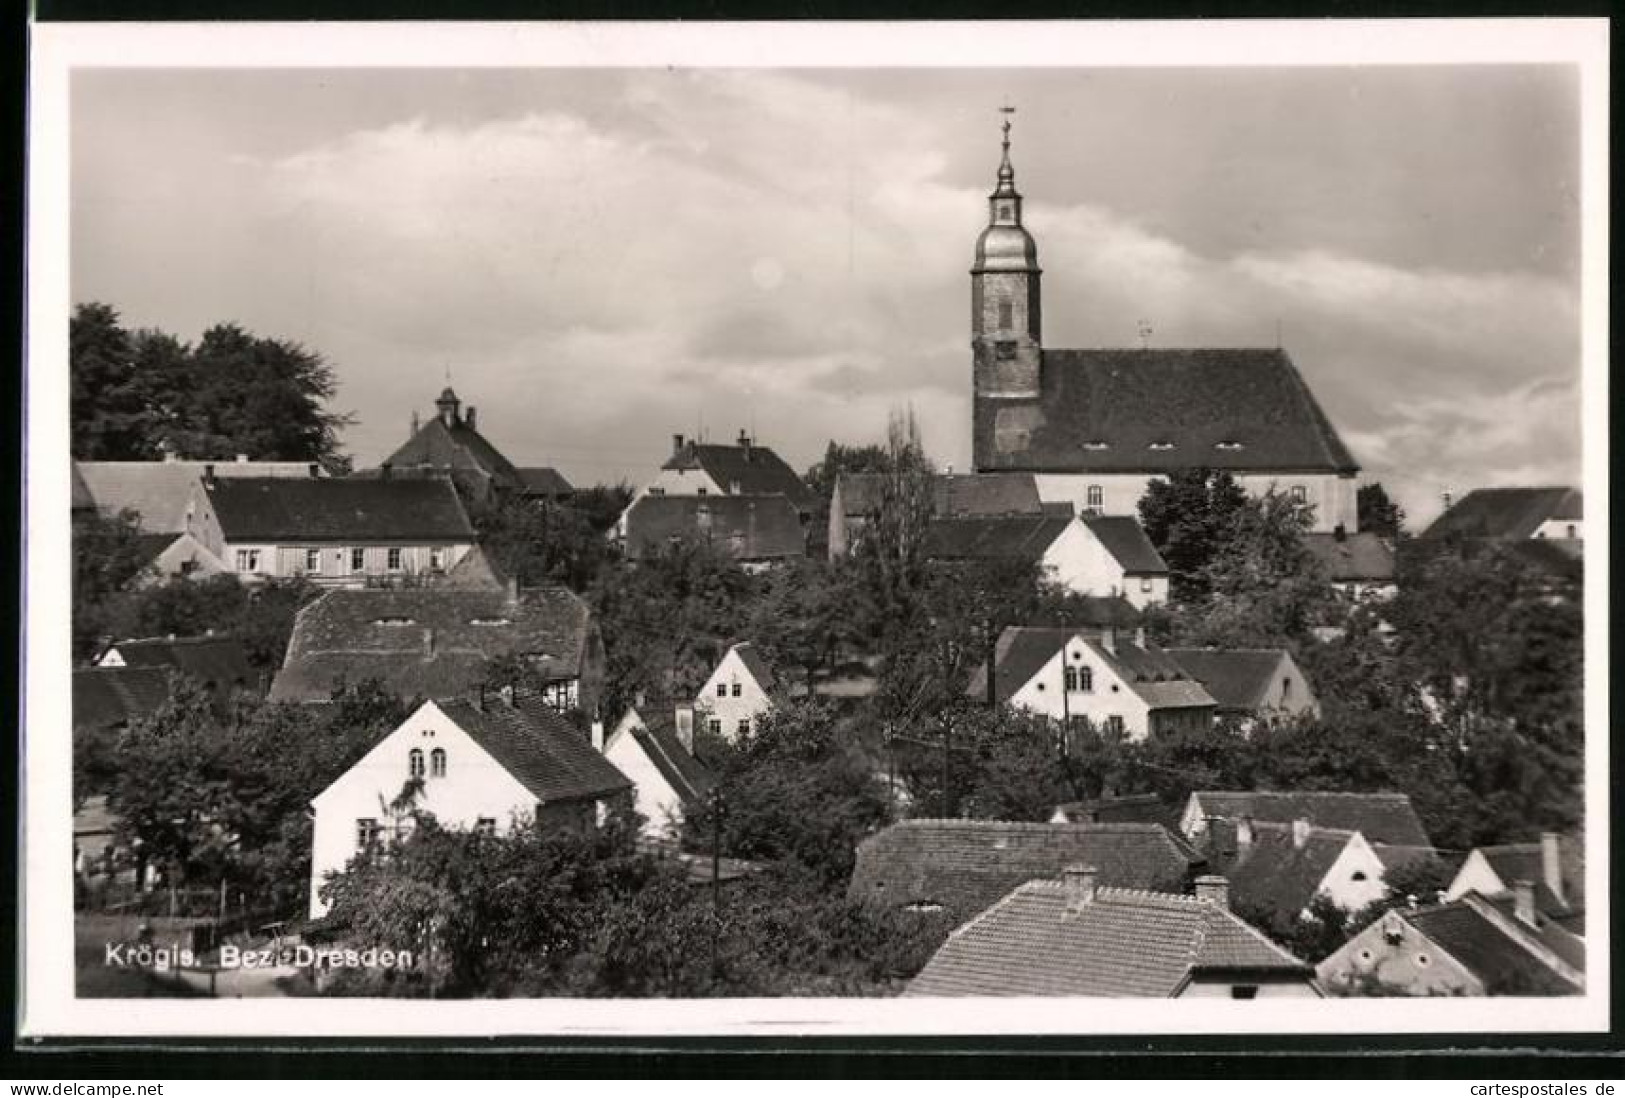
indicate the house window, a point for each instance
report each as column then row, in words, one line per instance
column 1300, row 494
column 700, row 491
column 414, row 764
column 1096, row 497
column 744, row 728
column 1004, row 350
column 1286, row 688
column 1086, row 680
column 437, row 558
column 248, row 560
column 485, row 825
column 1114, row 725
column 1145, row 584
column 1244, row 991
column 1007, row 315
column 715, row 726
column 1071, row 679
column 1422, row 960
column 437, row 763
column 395, row 559
column 1357, row 875
column 313, row 561
column 737, row 689
column 366, row 832
column 358, row 560
column 188, row 567
column 722, row 690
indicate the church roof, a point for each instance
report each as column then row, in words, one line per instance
column 1157, row 410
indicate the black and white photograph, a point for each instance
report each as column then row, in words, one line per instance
column 937, row 528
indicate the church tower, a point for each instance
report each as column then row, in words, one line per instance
column 1006, row 332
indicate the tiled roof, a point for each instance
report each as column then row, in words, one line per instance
column 1238, row 678
column 1550, row 932
column 966, row 865
column 159, row 490
column 1397, row 855
column 1274, row 872
column 1482, row 945
column 1134, row 808
column 538, row 747
column 657, row 736
column 1021, row 651
column 1506, row 512
column 220, row 661
column 952, row 494
column 746, row 527
column 1119, row 944
column 1008, row 537
column 1157, row 409
column 273, row 510
column 459, row 448
column 544, row 481
column 1380, row 817
column 755, row 469
column 752, row 658
column 476, row 571
column 1352, row 558
column 1524, row 862
column 1124, row 538
column 107, row 696
column 429, row 642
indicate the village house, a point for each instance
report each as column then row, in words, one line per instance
column 487, row 763
column 219, row 663
column 738, row 692
column 1473, row 945
column 1359, row 566
column 332, row 532
column 1513, row 514
column 964, row 866
column 1096, row 427
column 756, row 531
column 708, row 469
column 653, row 745
column 1104, row 557
column 1281, row 868
column 1074, row 937
column 450, row 445
column 1554, row 866
column 1115, row 681
column 857, row 498
column 1385, row 819
column 1251, row 685
column 437, row 642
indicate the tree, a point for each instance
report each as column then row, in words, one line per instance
column 840, row 460
column 1377, row 514
column 888, row 554
column 108, row 418
column 108, row 556
column 541, row 542
column 1264, row 588
column 1188, row 517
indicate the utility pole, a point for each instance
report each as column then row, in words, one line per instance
column 716, row 879
column 948, row 811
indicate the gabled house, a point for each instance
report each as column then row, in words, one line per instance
column 1250, row 684
column 441, row 643
column 334, row 532
column 1473, row 945
column 451, row 446
column 1074, row 937
column 158, row 493
column 487, row 763
column 745, row 468
column 1115, row 681
column 1064, row 549
column 1513, row 514
column 219, row 663
column 1359, row 566
column 757, row 531
column 738, row 692
column 653, row 745
column 964, row 866
column 1554, row 867
column 1385, row 819
column 1281, row 868
column 857, row 497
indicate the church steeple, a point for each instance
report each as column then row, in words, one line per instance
column 1006, row 318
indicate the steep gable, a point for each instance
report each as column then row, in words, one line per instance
column 745, row 470
column 540, row 749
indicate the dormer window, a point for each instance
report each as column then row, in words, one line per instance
column 490, row 621
column 394, row 621
column 1227, row 445
column 1161, row 445
column 1096, row 444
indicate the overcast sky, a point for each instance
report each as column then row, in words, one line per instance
column 603, row 258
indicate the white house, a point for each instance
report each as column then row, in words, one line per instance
column 657, row 753
column 1087, row 556
column 745, row 468
column 1250, row 684
column 1116, row 682
column 738, row 692
column 490, row 764
column 1554, row 868
column 1283, row 867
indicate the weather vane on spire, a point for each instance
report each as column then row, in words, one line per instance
column 1007, row 111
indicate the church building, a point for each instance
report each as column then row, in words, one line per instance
column 1094, row 427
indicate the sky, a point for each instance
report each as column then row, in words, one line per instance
column 602, row 258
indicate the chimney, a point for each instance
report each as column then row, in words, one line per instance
column 1215, row 890
column 638, row 698
column 676, row 445
column 1244, row 832
column 733, row 487
column 428, row 643
column 1445, row 496
column 1108, row 639
column 470, row 417
column 597, row 734
column 1079, row 884
column 208, row 474
column 1523, row 904
column 314, row 469
column 1300, row 833
column 513, row 590
column 1551, row 864
column 1340, row 533
column 744, row 443
column 1139, row 636
column 416, row 426
column 684, row 718
column 383, row 471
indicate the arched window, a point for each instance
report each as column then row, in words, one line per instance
column 437, row 763
column 414, row 764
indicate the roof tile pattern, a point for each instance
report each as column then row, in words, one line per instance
column 1507, row 513
column 1008, row 537
column 1380, row 817
column 952, row 495
column 1238, row 678
column 272, row 510
column 1158, row 409
column 1124, row 538
column 744, row 470
column 457, row 448
column 657, row 736
column 1022, row 651
column 540, row 749
column 1480, row 944
column 108, row 696
column 1274, row 872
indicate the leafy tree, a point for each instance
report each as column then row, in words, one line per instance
column 602, row 504
column 888, row 553
column 1188, row 517
column 840, row 460
column 261, row 616
column 108, row 419
column 799, row 617
column 1377, row 514
column 108, row 556
column 1264, row 588
column 541, row 542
